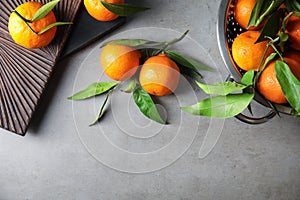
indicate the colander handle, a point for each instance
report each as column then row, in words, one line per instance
column 253, row 120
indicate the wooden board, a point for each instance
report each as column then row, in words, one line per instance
column 24, row 73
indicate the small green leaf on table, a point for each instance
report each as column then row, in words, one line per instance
column 290, row 85
column 133, row 42
column 131, row 86
column 93, row 90
column 123, row 9
column 187, row 61
column 221, row 106
column 146, row 105
column 221, row 88
column 44, row 10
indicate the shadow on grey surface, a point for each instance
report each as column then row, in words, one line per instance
column 45, row 101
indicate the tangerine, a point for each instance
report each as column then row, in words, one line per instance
column 96, row 9
column 22, row 34
column 268, row 84
column 293, row 31
column 242, row 12
column 246, row 53
column 159, row 75
column 119, row 62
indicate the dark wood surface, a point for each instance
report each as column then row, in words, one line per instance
column 24, row 73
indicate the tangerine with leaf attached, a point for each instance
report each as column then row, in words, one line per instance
column 21, row 32
column 119, row 62
column 246, row 53
column 96, row 9
column 159, row 75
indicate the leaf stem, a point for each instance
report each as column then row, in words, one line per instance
column 285, row 20
column 102, row 107
column 167, row 44
column 26, row 21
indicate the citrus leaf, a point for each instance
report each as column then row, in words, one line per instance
column 290, row 85
column 44, row 10
column 123, row 9
column 255, row 13
column 146, row 105
column 292, row 5
column 131, row 86
column 283, row 38
column 268, row 59
column 221, row 88
column 101, row 109
column 134, row 42
column 262, row 11
column 247, row 78
column 187, row 61
column 221, row 106
column 271, row 27
column 93, row 90
column 53, row 25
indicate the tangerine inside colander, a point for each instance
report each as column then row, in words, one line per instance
column 227, row 30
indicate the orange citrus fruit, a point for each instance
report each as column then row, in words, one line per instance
column 22, row 34
column 119, row 62
column 293, row 31
column 242, row 12
column 295, row 55
column 96, row 9
column 246, row 53
column 268, row 84
column 159, row 75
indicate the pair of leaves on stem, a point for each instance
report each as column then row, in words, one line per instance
column 274, row 17
column 225, row 104
column 187, row 64
column 41, row 13
column 263, row 9
column 142, row 99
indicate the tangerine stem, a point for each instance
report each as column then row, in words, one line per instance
column 166, row 44
column 26, row 21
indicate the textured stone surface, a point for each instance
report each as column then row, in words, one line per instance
column 248, row 162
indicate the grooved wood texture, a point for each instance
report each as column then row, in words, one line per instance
column 24, row 73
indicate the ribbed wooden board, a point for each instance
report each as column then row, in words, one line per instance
column 24, row 73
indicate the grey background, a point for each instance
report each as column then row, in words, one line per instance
column 248, row 162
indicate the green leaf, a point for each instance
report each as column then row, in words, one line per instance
column 272, row 26
column 283, row 38
column 255, row 13
column 247, row 78
column 268, row 59
column 44, row 10
column 188, row 62
column 290, row 85
column 133, row 42
column 262, row 10
column 93, row 90
column 53, row 25
column 221, row 106
column 146, row 105
column 292, row 5
column 221, row 88
column 131, row 86
column 123, row 9
column 101, row 109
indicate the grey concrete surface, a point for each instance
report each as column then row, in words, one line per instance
column 248, row 162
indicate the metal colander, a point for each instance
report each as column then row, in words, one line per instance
column 227, row 30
